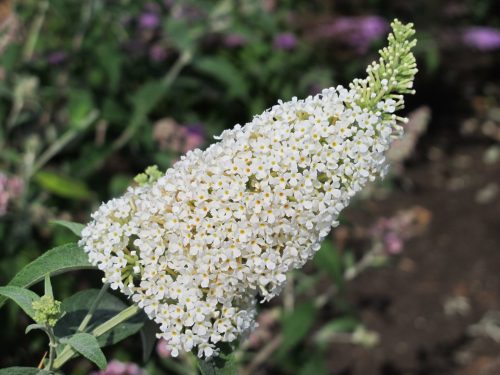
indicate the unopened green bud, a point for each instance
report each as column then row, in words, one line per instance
column 150, row 175
column 47, row 310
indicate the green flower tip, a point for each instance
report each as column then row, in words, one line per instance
column 393, row 74
column 150, row 175
column 47, row 310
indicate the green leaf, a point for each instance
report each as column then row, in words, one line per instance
column 315, row 365
column 23, row 371
column 62, row 186
column 340, row 325
column 328, row 259
column 48, row 286
column 111, row 61
column 296, row 324
column 224, row 364
column 148, row 338
column 184, row 35
column 23, row 297
column 76, row 228
column 225, row 72
column 58, row 260
column 77, row 306
column 87, row 346
column 31, row 327
column 145, row 98
column 79, row 106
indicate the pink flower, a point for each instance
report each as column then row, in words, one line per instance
column 482, row 38
column 357, row 32
column 121, row 368
column 391, row 233
column 10, row 189
column 162, row 350
column 234, row 40
column 285, row 41
column 194, row 137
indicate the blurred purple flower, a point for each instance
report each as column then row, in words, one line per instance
column 194, row 137
column 481, row 37
column 149, row 20
column 10, row 189
column 120, row 368
column 391, row 233
column 158, row 53
column 234, row 40
column 56, row 57
column 162, row 350
column 358, row 32
column 285, row 41
column 393, row 243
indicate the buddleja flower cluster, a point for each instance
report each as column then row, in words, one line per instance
column 196, row 247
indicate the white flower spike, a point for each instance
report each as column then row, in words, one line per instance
column 196, row 247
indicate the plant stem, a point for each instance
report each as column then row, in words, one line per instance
column 114, row 321
column 60, row 143
column 52, row 347
column 98, row 331
column 90, row 313
column 34, row 32
column 166, row 81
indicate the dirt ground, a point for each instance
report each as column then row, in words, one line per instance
column 427, row 306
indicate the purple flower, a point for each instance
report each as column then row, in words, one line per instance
column 158, row 53
column 194, row 137
column 149, row 20
column 481, row 37
column 285, row 41
column 56, row 57
column 357, row 32
column 234, row 40
column 162, row 350
column 10, row 189
column 120, row 368
column 391, row 233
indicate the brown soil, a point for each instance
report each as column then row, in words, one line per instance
column 456, row 260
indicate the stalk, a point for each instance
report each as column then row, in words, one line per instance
column 99, row 331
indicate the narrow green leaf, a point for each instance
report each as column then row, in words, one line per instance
column 315, row 364
column 62, row 186
column 296, row 324
column 328, row 259
column 58, row 260
column 340, row 325
column 87, row 346
column 77, row 306
column 23, row 297
column 225, row 72
column 31, row 327
column 79, row 106
column 48, row 286
column 76, row 228
column 145, row 98
column 148, row 338
column 23, row 371
column 224, row 364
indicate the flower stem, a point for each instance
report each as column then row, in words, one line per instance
column 99, row 331
column 52, row 347
column 90, row 313
column 35, row 29
column 87, row 317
